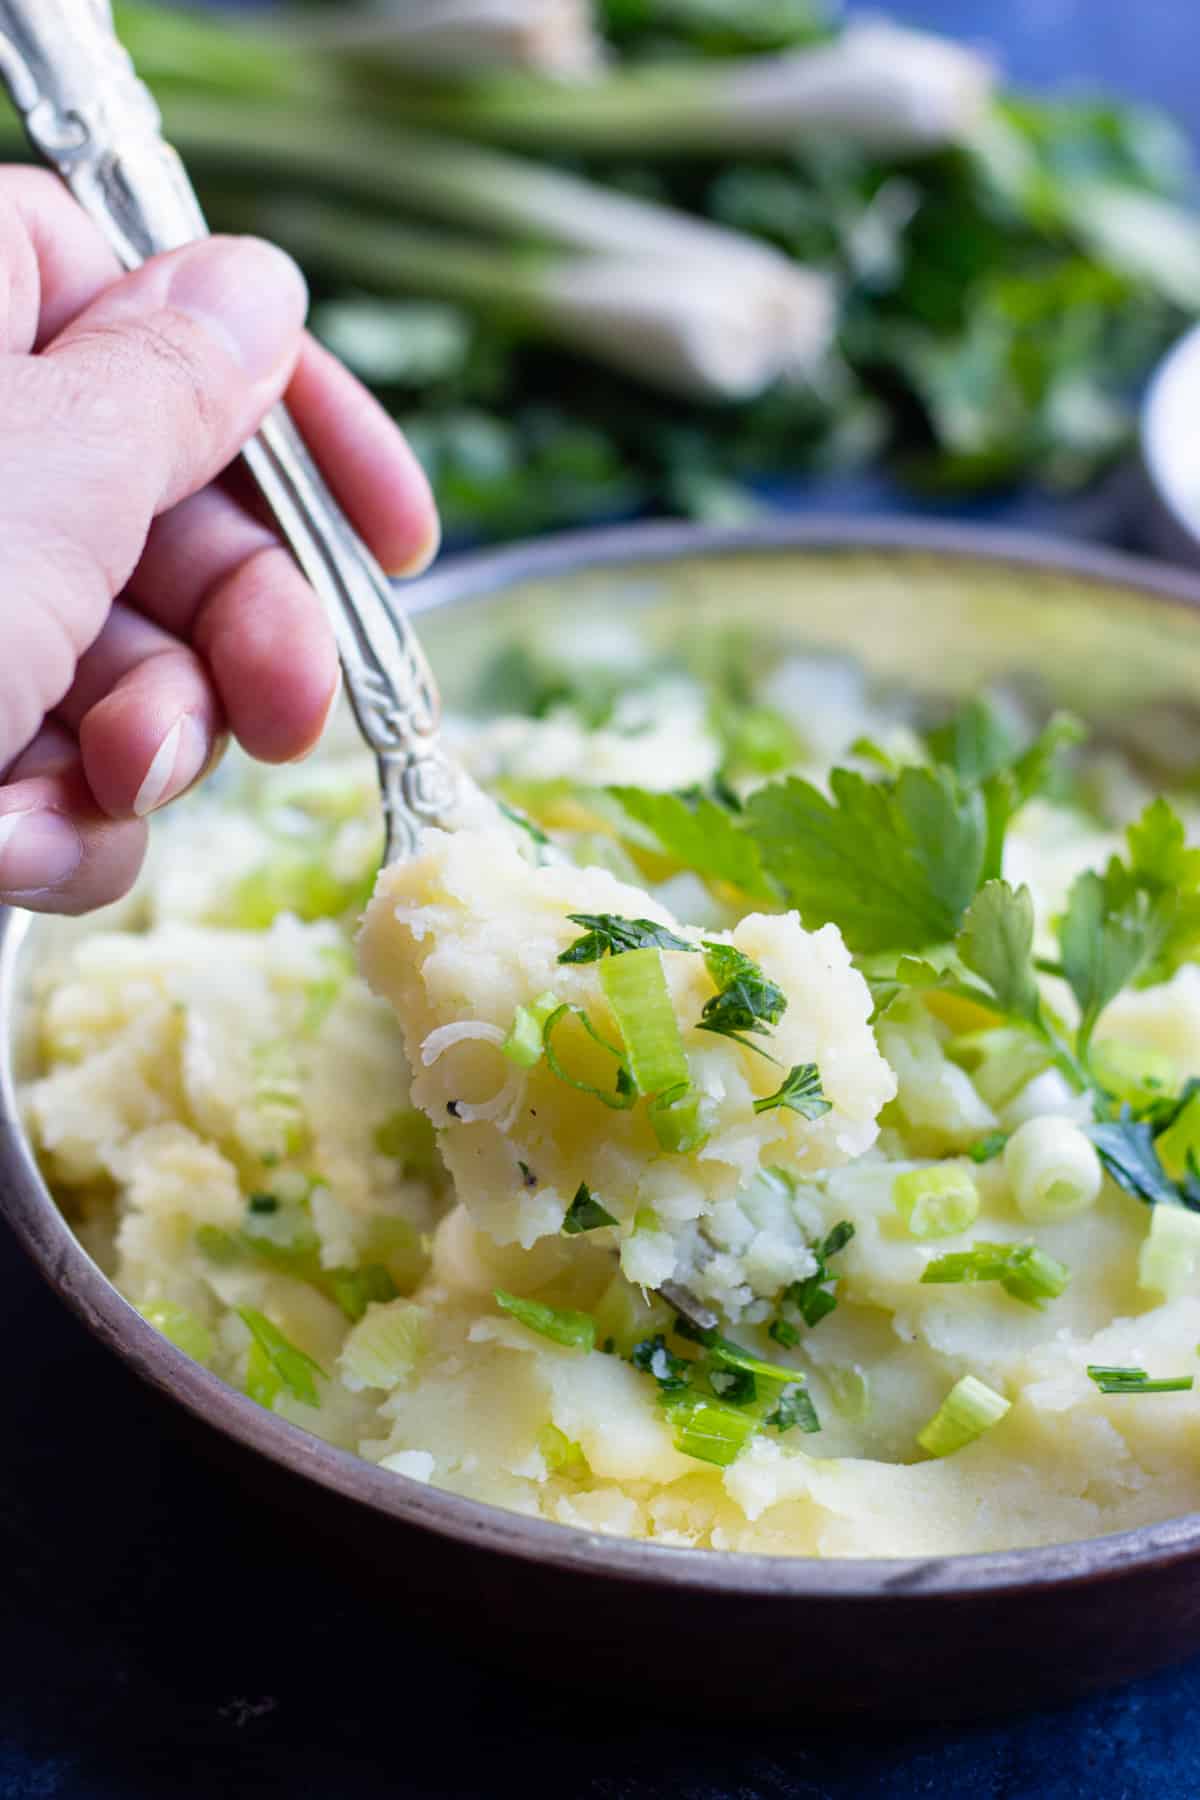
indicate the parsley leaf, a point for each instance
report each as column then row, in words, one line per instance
column 671, row 1372
column 1126, row 1148
column 982, row 748
column 893, row 863
column 811, row 1298
column 700, row 834
column 996, row 943
column 745, row 1000
column 794, row 1407
column 800, row 1092
column 1112, row 929
column 585, row 1213
column 606, row 933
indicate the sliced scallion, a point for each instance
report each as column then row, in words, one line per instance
column 561, row 1324
column 936, row 1202
column 969, row 1409
column 636, row 989
column 523, row 1045
column 1023, row 1270
column 709, row 1430
column 1113, row 1380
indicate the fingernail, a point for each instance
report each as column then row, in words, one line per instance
column 174, row 766
column 418, row 563
column 246, row 293
column 37, row 850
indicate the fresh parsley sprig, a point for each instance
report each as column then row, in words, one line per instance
column 745, row 1000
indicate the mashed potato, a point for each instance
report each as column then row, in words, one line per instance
column 333, row 1183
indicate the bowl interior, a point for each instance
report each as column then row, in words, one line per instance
column 938, row 612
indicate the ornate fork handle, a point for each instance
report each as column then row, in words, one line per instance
column 91, row 119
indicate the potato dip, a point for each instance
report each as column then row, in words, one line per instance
column 770, row 1126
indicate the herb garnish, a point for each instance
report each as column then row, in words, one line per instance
column 1023, row 1270
column 800, row 1091
column 585, row 1213
column 745, row 1000
column 1112, row 1380
column 812, row 1298
column 607, row 934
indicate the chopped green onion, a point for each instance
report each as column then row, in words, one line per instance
column 577, row 1330
column 625, row 1091
column 220, row 1247
column 679, row 1120
column 1111, row 1380
column 523, row 1045
column 783, row 1333
column 936, row 1202
column 636, row 989
column 1169, row 1259
column 729, row 1355
column 709, row 1430
column 585, row 1213
column 1022, row 1270
column 811, row 1298
column 384, row 1348
column 356, row 1289
column 561, row 1454
column 850, row 1391
column 1052, row 1169
column 988, row 1147
column 969, row 1409
column 291, row 1367
column 180, row 1327
column 800, row 1092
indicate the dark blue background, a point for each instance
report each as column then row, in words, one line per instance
column 161, row 1637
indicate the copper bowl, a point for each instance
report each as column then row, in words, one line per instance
column 943, row 610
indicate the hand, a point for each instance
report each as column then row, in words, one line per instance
column 145, row 609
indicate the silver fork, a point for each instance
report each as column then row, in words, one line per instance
column 90, row 118
column 97, row 126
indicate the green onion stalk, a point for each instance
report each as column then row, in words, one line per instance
column 452, row 37
column 689, row 326
column 878, row 86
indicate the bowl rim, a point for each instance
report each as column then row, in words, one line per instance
column 47, row 1238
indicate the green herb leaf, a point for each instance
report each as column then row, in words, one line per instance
column 1127, row 1149
column 672, row 1373
column 794, row 1408
column 700, row 835
column 893, row 864
column 811, row 1298
column 561, row 1324
column 800, row 1091
column 745, row 1000
column 606, row 934
column 996, row 943
column 1110, row 932
column 989, row 1147
column 291, row 1366
column 585, row 1213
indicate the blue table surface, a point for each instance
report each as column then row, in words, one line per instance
column 158, row 1639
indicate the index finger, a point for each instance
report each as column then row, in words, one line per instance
column 53, row 260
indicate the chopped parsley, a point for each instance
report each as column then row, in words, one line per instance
column 800, row 1092
column 744, row 1001
column 607, row 935
column 585, row 1213
column 812, row 1298
column 986, row 1149
column 652, row 1357
column 794, row 1408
